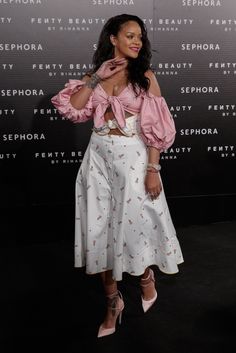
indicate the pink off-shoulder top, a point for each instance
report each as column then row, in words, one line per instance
column 157, row 126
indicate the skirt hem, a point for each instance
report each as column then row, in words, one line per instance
column 131, row 274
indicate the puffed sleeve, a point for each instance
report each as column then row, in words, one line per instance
column 156, row 121
column 62, row 102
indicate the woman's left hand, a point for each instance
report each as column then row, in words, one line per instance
column 153, row 185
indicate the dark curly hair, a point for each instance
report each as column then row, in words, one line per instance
column 136, row 67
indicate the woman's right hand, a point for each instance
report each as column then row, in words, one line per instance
column 111, row 67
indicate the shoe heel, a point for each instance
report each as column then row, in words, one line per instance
column 108, row 331
column 120, row 317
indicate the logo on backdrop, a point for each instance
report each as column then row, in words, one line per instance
column 199, row 89
column 200, row 46
column 179, row 109
column 113, row 2
column 5, row 20
column 60, row 157
column 23, row 137
column 21, row 2
column 49, row 114
column 205, row 3
column 7, row 156
column 227, row 25
column 68, row 24
column 198, row 132
column 168, row 24
column 175, row 153
column 77, row 70
column 223, row 110
column 6, row 113
column 21, row 92
column 224, row 68
column 171, row 69
column 223, row 151
column 6, row 67
column 21, row 47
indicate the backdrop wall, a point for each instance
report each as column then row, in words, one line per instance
column 44, row 43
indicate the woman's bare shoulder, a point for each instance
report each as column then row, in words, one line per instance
column 154, row 87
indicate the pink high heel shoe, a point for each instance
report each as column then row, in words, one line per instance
column 116, row 305
column 146, row 304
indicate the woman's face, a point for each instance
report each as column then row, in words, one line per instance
column 128, row 41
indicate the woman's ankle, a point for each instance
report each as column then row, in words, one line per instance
column 147, row 284
column 115, row 305
column 147, row 277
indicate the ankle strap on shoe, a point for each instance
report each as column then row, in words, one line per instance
column 112, row 299
column 148, row 279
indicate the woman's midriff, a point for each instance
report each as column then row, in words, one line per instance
column 115, row 132
column 109, row 115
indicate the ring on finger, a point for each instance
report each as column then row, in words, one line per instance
column 154, row 195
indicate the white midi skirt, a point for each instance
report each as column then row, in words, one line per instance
column 117, row 226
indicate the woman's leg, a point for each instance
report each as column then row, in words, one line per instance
column 109, row 285
column 115, row 302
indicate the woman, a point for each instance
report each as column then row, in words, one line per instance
column 122, row 218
